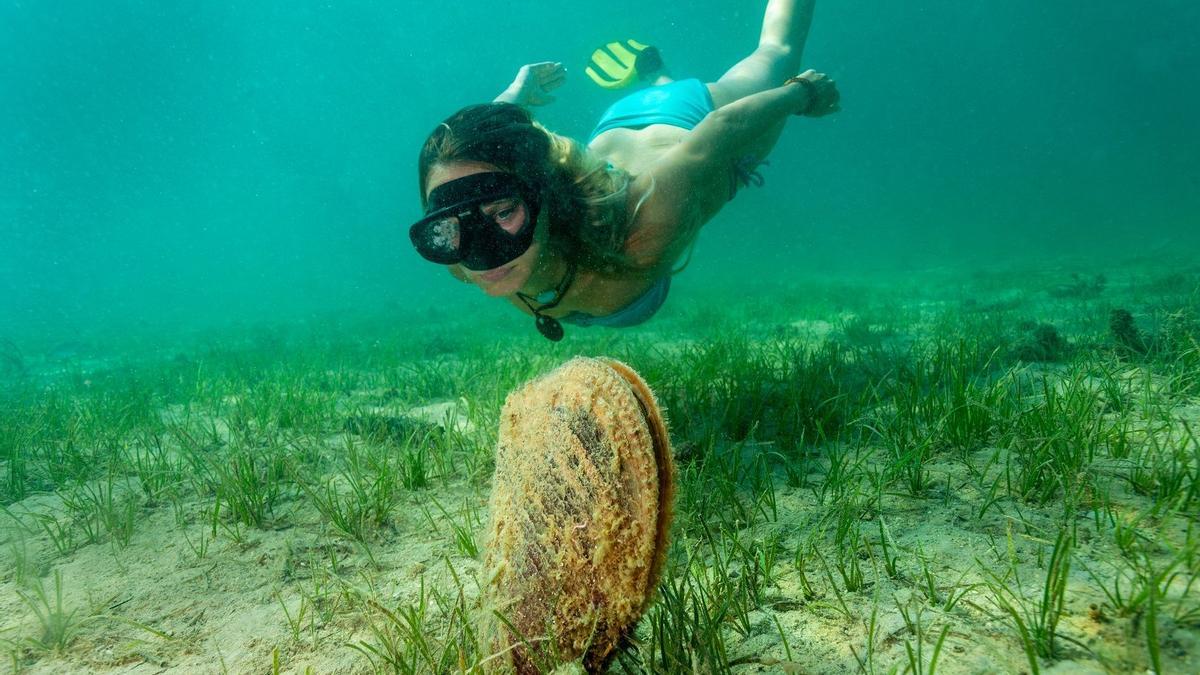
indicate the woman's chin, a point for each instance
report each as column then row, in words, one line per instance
column 497, row 290
column 507, row 285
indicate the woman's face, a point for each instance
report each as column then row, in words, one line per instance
column 510, row 214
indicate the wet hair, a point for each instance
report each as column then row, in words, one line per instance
column 584, row 198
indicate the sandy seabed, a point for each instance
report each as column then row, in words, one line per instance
column 874, row 575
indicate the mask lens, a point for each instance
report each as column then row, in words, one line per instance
column 508, row 214
column 481, row 221
column 439, row 239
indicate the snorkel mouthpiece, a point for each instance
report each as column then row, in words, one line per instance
column 456, row 230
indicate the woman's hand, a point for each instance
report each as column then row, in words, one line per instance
column 823, row 96
column 533, row 84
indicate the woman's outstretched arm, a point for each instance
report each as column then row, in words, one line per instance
column 696, row 173
column 751, row 124
column 692, row 181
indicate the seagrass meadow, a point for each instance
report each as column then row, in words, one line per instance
column 984, row 472
column 930, row 379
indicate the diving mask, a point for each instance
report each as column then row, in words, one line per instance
column 456, row 229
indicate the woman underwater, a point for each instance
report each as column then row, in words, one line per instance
column 590, row 235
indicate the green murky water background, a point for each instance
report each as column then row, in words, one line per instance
column 199, row 163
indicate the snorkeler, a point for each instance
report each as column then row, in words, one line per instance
column 591, row 234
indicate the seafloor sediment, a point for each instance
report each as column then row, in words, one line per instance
column 987, row 472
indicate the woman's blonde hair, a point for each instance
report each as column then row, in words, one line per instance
column 585, row 198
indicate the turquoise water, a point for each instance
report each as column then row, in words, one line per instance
column 201, row 162
column 947, row 357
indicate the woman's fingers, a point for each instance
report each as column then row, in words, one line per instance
column 548, row 69
column 546, row 75
column 830, row 97
column 551, row 75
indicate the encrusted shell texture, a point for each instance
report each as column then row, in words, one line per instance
column 580, row 509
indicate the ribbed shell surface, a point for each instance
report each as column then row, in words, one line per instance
column 580, row 508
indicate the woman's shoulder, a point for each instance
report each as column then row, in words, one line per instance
column 663, row 224
column 636, row 150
